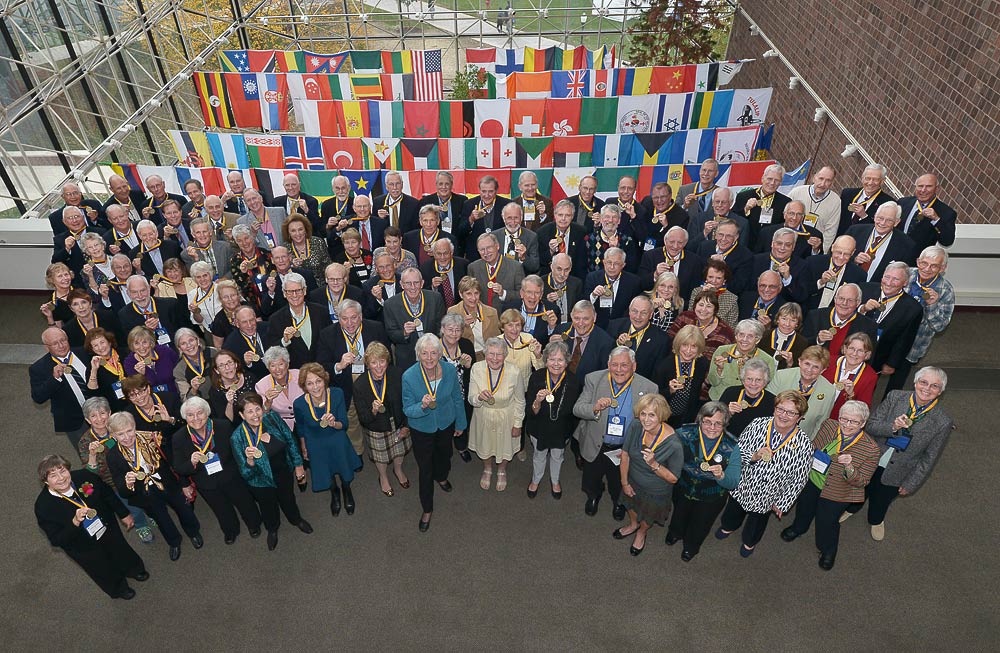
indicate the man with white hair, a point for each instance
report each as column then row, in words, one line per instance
column 822, row 205
column 880, row 243
column 808, row 239
column 163, row 315
column 702, row 227
column 672, row 257
column 561, row 235
column 449, row 202
column 764, row 205
column 124, row 196
column 66, row 242
column 612, row 288
column 152, row 252
column 93, row 212
column 535, row 207
column 926, row 219
column 822, row 274
column 586, row 203
column 480, row 215
column 499, row 276
column 121, row 237
column 295, row 201
column 516, row 241
column 410, row 314
column 334, row 211
column 443, row 272
column 696, row 197
column 296, row 326
column 858, row 205
column 830, row 328
column 896, row 314
column 60, row 378
column 394, row 206
column 264, row 221
column 203, row 247
column 158, row 194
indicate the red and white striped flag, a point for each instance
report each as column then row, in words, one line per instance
column 428, row 77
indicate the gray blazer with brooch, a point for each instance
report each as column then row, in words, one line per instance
column 928, row 436
column 277, row 216
column 590, row 430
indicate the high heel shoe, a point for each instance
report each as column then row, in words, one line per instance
column 335, row 500
column 348, row 499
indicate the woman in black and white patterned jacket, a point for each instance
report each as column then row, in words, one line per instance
column 776, row 457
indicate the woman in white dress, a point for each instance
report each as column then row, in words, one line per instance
column 496, row 392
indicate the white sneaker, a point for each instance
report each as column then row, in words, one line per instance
column 845, row 516
column 878, row 532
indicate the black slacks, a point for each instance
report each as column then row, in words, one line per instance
column 111, row 561
column 282, row 496
column 693, row 520
column 433, row 452
column 228, row 498
column 827, row 515
column 756, row 523
column 879, row 497
column 597, row 472
column 157, row 503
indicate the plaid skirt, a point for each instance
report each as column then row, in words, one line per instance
column 384, row 447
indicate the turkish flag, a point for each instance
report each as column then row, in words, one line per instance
column 342, row 153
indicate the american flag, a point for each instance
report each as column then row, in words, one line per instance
column 428, row 77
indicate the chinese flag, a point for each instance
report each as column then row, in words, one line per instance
column 672, row 79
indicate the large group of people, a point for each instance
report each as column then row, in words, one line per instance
column 710, row 357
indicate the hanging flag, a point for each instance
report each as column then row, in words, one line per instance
column 483, row 58
column 706, row 77
column 268, row 181
column 366, row 61
column 364, row 182
column 672, row 79
column 495, row 153
column 312, row 62
column 287, row 61
column 613, row 149
column 244, row 99
column 385, row 119
column 599, row 115
column 749, row 107
column 131, row 174
column 633, row 81
column 509, row 61
column 228, row 150
column 562, row 116
column 273, row 89
column 527, row 118
column 691, row 146
column 303, row 152
column 734, row 144
column 533, row 152
column 566, row 181
column 492, row 117
column 457, row 118
column 419, row 154
column 192, row 148
column 309, row 86
column 728, row 70
column 570, row 83
column 397, row 86
column 397, row 62
column 671, row 114
column 215, row 107
column 457, row 153
column 536, row 60
column 318, row 183
column 794, row 178
column 529, row 85
column 608, row 178
column 572, row 151
column 381, row 153
column 543, row 175
column 421, row 119
column 596, row 58
column 317, row 117
column 366, row 86
column 743, row 175
column 601, row 83
column 637, row 113
column 428, row 76
column 763, row 150
column 340, row 86
column 352, row 118
column 264, row 151
column 472, row 177
column 210, row 178
column 236, row 61
column 342, row 153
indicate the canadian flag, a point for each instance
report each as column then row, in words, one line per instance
column 496, row 152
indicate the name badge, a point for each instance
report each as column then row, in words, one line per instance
column 900, row 442
column 117, row 387
column 878, row 334
column 616, row 427
column 362, row 273
column 648, row 245
column 162, row 337
column 358, row 368
column 831, row 284
column 766, row 215
column 821, row 461
column 270, row 240
column 529, row 213
column 214, row 464
column 606, row 302
column 94, row 527
column 160, row 388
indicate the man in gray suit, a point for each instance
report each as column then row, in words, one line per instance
column 411, row 314
column 911, row 430
column 203, row 247
column 697, row 197
column 517, row 242
column 499, row 276
column 265, row 221
column 605, row 411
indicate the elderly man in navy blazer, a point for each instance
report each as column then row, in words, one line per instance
column 612, row 288
column 541, row 317
column 649, row 345
column 60, row 378
column 926, row 219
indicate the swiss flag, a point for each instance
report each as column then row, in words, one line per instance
column 562, row 116
column 527, row 118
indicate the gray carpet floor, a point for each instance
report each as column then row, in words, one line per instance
column 500, row 571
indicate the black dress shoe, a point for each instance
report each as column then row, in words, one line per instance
column 348, row 499
column 255, row 534
column 305, row 526
column 826, row 561
column 619, row 512
column 175, row 553
column 465, row 456
column 272, row 540
column 686, row 555
column 591, row 507
column 557, row 495
column 532, row 493
column 618, row 535
column 196, row 541
column 142, row 576
column 230, row 539
column 335, row 500
column 789, row 535
column 303, row 485
column 128, row 594
column 672, row 539
column 424, row 525
column 445, row 485
column 634, row 551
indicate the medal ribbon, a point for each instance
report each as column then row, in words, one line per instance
column 787, row 345
column 707, row 455
column 380, row 391
column 841, row 447
column 867, row 201
column 617, row 393
column 201, row 364
column 297, row 254
column 756, row 403
column 207, row 293
column 352, row 343
column 489, row 376
column 203, row 445
column 682, row 370
column 842, row 370
column 312, row 409
column 427, row 384
column 660, row 438
column 297, row 324
column 833, row 318
column 258, row 432
column 81, row 504
column 406, row 305
column 143, row 414
column 552, row 387
column 784, row 438
column 918, row 412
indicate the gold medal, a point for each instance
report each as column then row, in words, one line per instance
column 609, row 291
column 927, row 295
column 766, row 455
column 255, row 357
column 91, row 513
column 491, row 401
column 140, row 475
column 820, row 396
column 517, row 242
column 549, row 398
column 433, row 404
column 198, row 379
column 744, row 404
column 417, row 324
column 68, row 369
column 614, row 403
column 908, row 422
column 296, row 334
column 839, row 385
column 427, row 248
column 491, row 285
column 257, row 453
column 832, row 330
column 705, row 465
column 156, row 417
column 201, row 457
column 381, row 409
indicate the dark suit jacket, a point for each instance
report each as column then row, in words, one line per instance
column 923, row 233
column 574, row 291
column 740, row 262
column 299, row 353
column 328, row 209
column 648, row 234
column 804, row 290
column 137, row 197
column 802, row 248
column 56, row 217
column 168, row 249
column 654, row 346
column 332, row 346
column 696, row 229
column 318, row 296
column 183, row 447
column 318, row 225
column 109, row 239
column 595, row 356
column 466, row 234
column 270, row 305
column 666, row 371
column 157, row 216
column 372, row 309
column 762, row 263
column 172, row 313
column 897, row 331
column 778, row 216
column 538, row 222
column 408, row 209
column 395, row 315
column 66, row 411
column 73, row 258
column 847, row 217
column 235, row 343
column 541, row 330
column 692, row 270
column 376, row 228
column 628, row 287
column 899, row 248
column 819, row 320
column 457, row 203
column 582, row 217
column 509, row 276
column 576, row 248
column 460, row 268
column 748, row 299
column 413, row 243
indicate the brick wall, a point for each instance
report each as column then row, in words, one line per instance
column 916, row 82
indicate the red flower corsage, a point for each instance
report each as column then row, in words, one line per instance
column 87, row 489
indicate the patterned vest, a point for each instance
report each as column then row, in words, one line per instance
column 694, row 483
